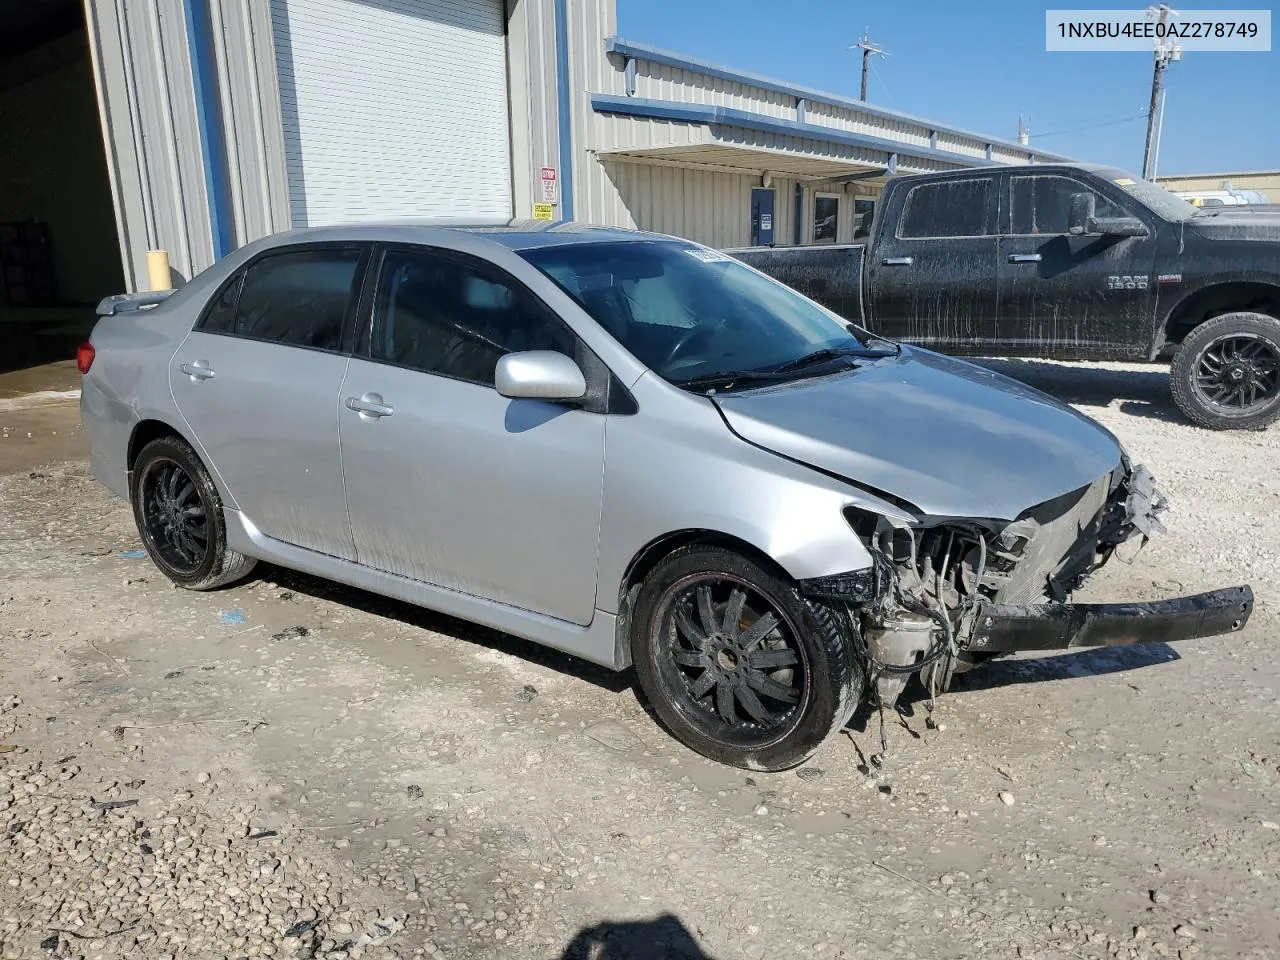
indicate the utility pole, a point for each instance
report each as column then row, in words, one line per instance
column 1024, row 130
column 1166, row 52
column 868, row 48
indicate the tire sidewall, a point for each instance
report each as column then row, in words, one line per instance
column 178, row 451
column 1182, row 374
column 825, row 706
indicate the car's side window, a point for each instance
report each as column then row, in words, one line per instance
column 449, row 315
column 220, row 314
column 299, row 298
column 946, row 208
column 1041, row 204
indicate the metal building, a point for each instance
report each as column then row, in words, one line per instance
column 224, row 120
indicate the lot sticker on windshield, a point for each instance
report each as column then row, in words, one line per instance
column 707, row 256
column 1125, row 182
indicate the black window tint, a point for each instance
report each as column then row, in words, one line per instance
column 949, row 208
column 442, row 315
column 826, row 211
column 220, row 315
column 1042, row 204
column 299, row 299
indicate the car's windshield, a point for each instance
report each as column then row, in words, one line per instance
column 1168, row 205
column 692, row 314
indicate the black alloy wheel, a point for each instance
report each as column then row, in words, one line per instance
column 1226, row 373
column 174, row 517
column 730, row 658
column 737, row 663
column 1240, row 372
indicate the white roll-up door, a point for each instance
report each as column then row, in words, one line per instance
column 393, row 108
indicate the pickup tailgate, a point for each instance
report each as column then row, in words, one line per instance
column 830, row 275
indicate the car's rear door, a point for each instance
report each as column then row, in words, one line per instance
column 257, row 381
column 931, row 271
column 449, row 482
column 1071, row 296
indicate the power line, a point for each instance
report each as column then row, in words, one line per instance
column 868, row 49
column 1091, row 126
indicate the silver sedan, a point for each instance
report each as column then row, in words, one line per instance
column 628, row 447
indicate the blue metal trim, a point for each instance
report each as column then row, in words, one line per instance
column 728, row 117
column 564, row 111
column 640, row 51
column 204, row 79
column 797, row 231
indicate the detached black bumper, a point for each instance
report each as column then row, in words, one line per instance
column 1057, row 626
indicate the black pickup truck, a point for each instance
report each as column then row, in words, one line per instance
column 1073, row 262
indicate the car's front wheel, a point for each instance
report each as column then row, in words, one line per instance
column 179, row 517
column 737, row 664
column 1226, row 374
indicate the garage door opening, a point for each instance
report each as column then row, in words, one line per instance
column 393, row 109
column 59, row 249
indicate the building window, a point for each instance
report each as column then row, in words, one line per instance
column 826, row 211
column 863, row 212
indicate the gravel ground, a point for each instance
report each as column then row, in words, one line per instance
column 292, row 768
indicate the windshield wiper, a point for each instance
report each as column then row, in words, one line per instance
column 825, row 355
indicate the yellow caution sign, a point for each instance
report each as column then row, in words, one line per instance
column 543, row 211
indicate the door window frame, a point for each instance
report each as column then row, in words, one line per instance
column 991, row 221
column 350, row 320
column 605, row 392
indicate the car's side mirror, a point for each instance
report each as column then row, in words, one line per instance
column 539, row 375
column 1120, row 227
column 1083, row 206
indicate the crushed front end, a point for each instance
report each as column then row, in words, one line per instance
column 943, row 595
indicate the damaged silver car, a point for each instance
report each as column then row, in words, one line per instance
column 631, row 448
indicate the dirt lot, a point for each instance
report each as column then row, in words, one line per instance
column 319, row 772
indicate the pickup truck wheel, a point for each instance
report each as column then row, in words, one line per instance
column 737, row 664
column 1226, row 374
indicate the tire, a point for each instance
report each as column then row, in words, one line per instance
column 1222, row 364
column 788, row 688
column 168, row 480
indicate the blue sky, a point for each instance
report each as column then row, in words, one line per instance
column 977, row 65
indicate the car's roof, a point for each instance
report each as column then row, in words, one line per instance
column 514, row 234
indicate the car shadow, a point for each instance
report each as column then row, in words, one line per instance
column 424, row 619
column 1142, row 393
column 663, row 938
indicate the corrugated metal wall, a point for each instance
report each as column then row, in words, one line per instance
column 531, row 67
column 143, row 73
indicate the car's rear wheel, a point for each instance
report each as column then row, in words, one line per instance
column 737, row 664
column 179, row 517
column 1226, row 374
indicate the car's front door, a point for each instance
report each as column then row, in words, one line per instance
column 1064, row 295
column 449, row 482
column 932, row 272
column 257, row 380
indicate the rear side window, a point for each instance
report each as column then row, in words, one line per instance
column 948, row 208
column 446, row 315
column 298, row 299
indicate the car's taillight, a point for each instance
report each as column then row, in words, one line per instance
column 84, row 356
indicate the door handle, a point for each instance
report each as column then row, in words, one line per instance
column 1024, row 258
column 198, row 370
column 898, row 261
column 370, row 406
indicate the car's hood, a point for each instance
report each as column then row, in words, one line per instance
column 952, row 438
column 1230, row 225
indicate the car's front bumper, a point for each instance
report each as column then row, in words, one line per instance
column 999, row 628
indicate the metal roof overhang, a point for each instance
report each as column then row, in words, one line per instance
column 750, row 142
